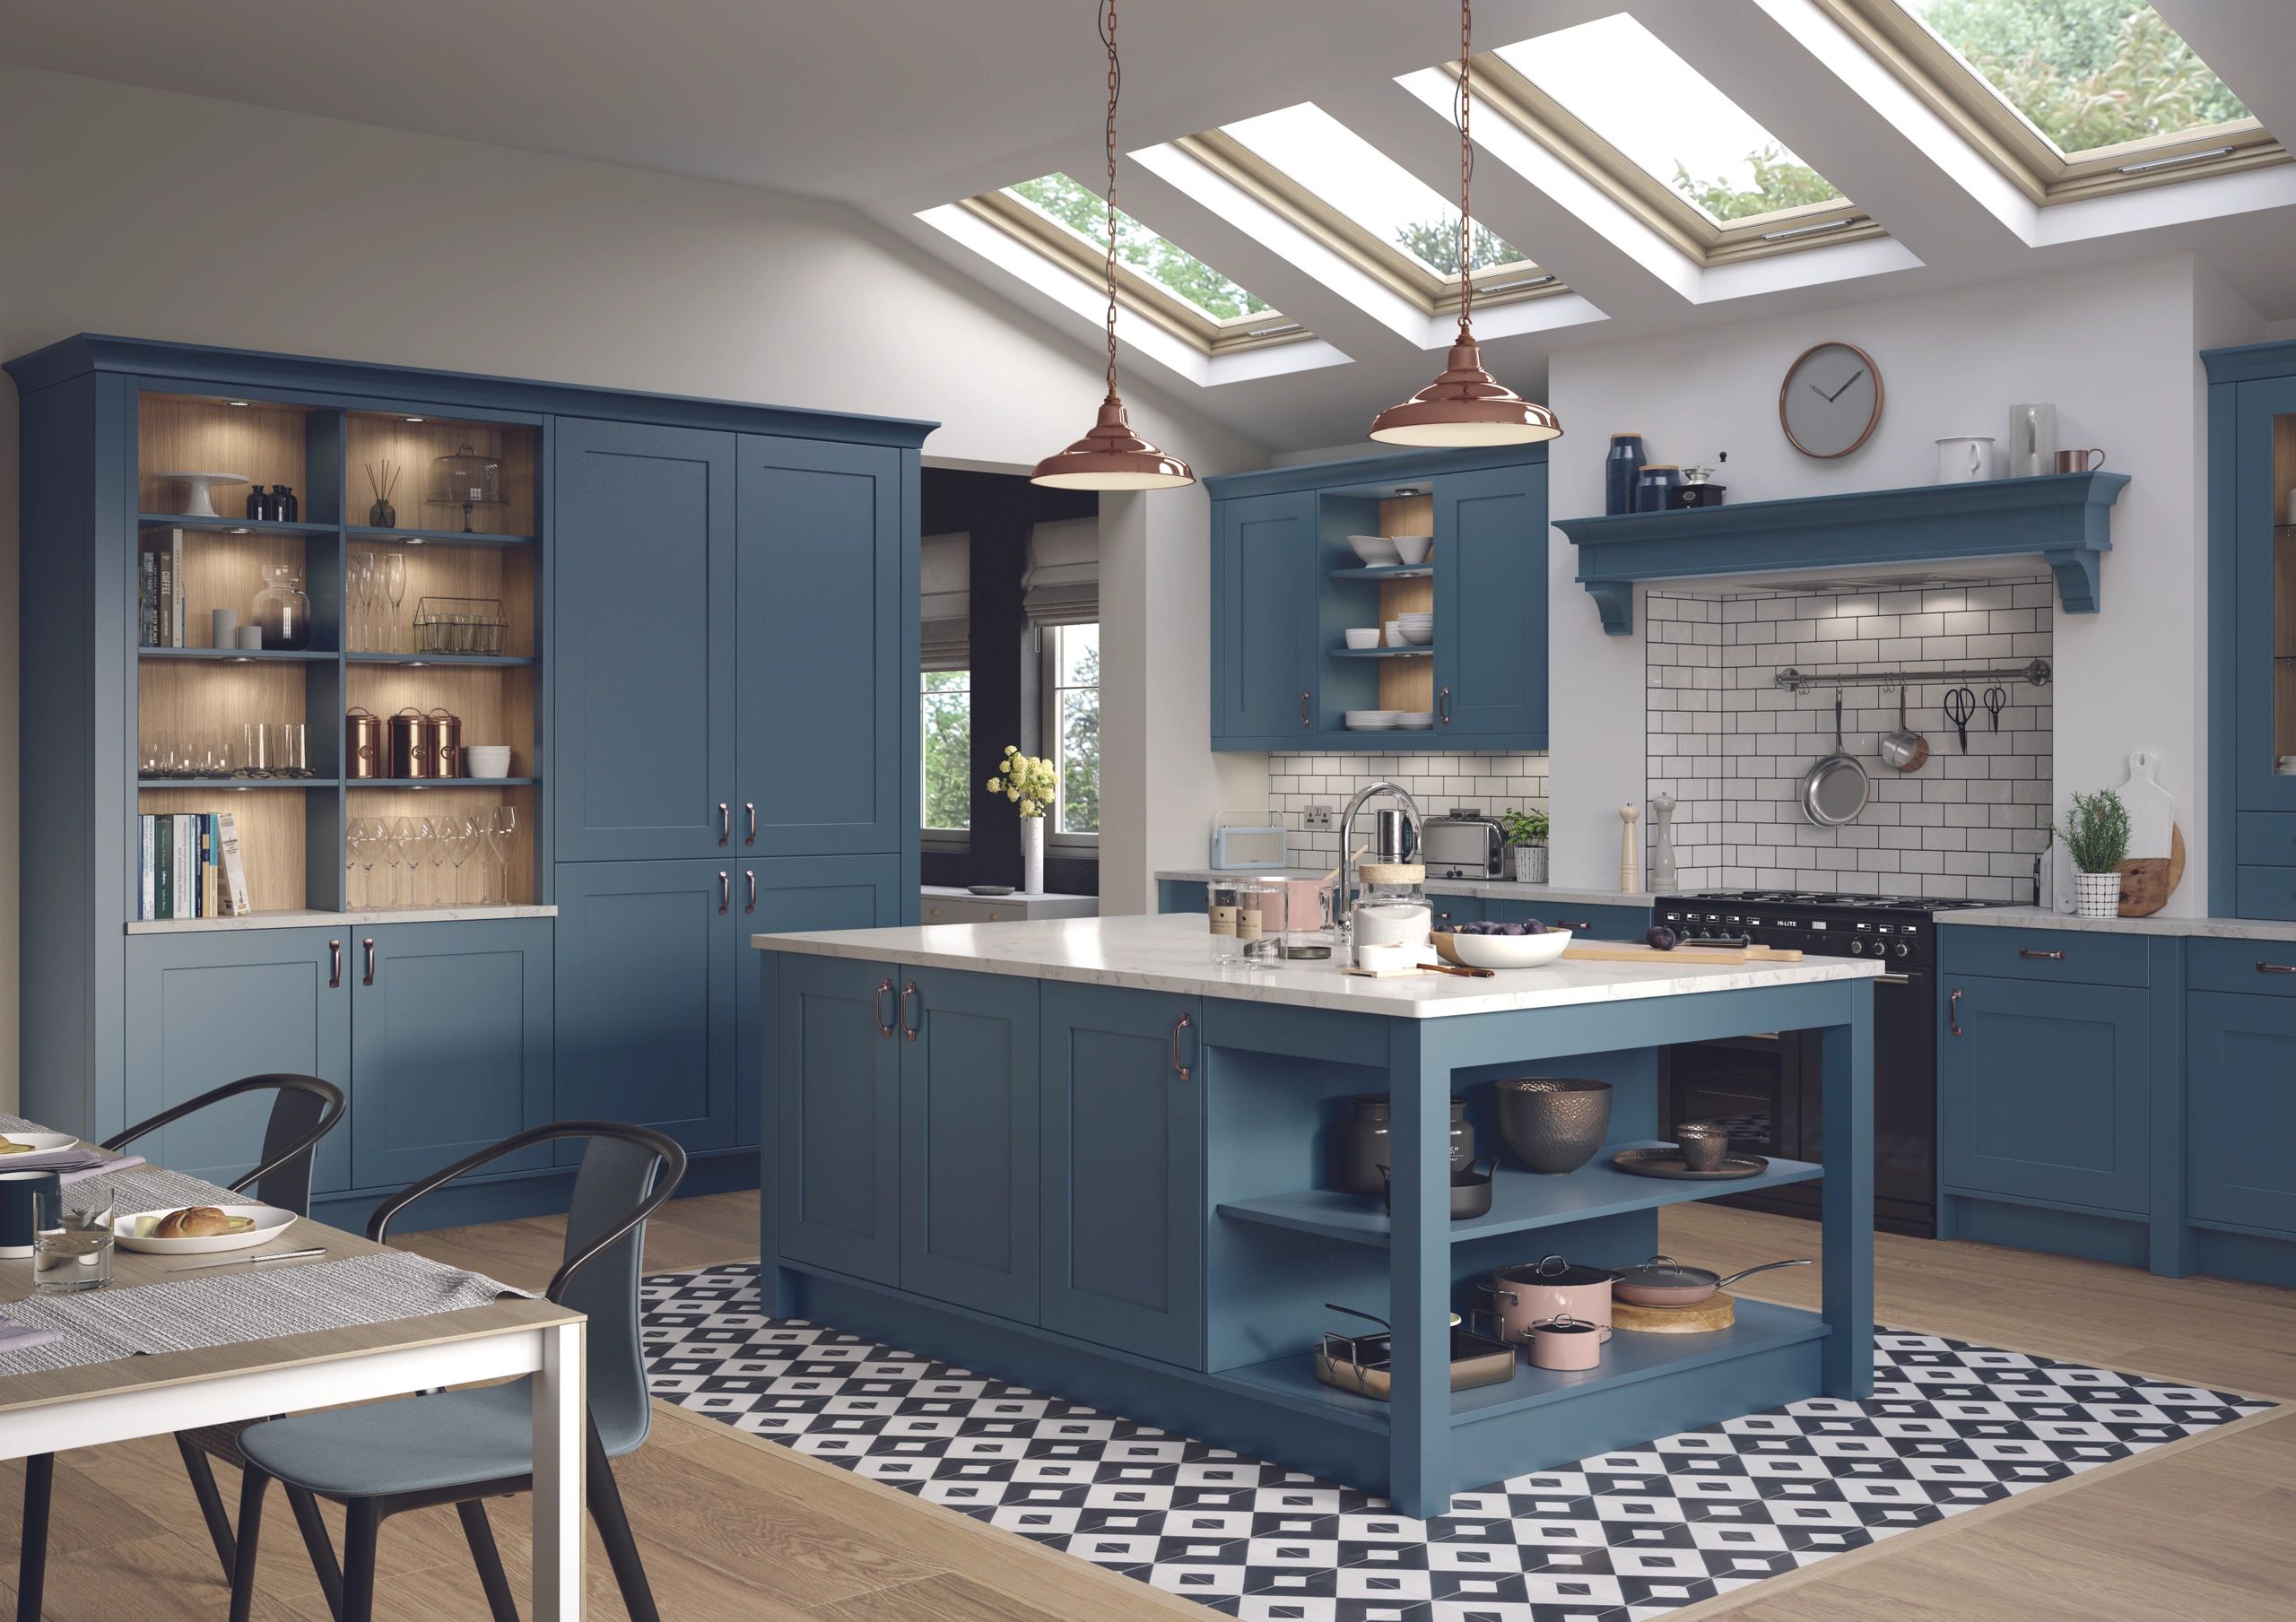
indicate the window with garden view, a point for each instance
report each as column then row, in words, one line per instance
column 1072, row 724
column 947, row 698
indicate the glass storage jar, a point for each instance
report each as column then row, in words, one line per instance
column 1220, row 917
column 1259, row 920
column 282, row 608
column 1391, row 905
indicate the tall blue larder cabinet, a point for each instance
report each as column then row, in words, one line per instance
column 692, row 621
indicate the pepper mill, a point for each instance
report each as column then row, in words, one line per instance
column 1662, row 844
column 1629, row 857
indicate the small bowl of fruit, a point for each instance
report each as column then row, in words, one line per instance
column 1488, row 944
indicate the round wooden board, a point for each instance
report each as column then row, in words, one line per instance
column 1718, row 1310
column 2146, row 882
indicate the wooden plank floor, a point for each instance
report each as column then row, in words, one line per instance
column 736, row 1529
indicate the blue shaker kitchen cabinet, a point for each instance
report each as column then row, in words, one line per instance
column 837, row 1057
column 646, row 1029
column 210, row 1006
column 827, row 662
column 450, row 1043
column 968, row 1135
column 2044, row 1092
column 1123, row 1169
column 2240, row 1110
column 1490, row 605
column 643, row 536
column 1264, row 595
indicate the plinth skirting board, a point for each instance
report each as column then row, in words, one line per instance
column 1624, row 1535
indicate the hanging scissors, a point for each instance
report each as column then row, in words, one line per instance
column 1995, row 699
column 1960, row 704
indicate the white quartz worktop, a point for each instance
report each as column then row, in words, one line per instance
column 2159, row 923
column 308, row 918
column 1171, row 952
column 1506, row 890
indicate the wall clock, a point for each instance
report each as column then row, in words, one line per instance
column 1831, row 400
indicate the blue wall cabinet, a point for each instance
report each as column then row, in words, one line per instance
column 823, row 676
column 648, row 961
column 837, row 1055
column 1490, row 605
column 2045, row 1091
column 1123, row 1169
column 216, row 1005
column 2240, row 1109
column 645, row 540
column 969, row 1133
column 1264, row 621
column 450, row 1043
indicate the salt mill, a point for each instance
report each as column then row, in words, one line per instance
column 1662, row 843
column 1630, row 858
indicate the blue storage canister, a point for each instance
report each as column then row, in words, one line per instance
column 1620, row 468
column 1656, row 487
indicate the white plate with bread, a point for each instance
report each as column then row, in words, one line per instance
column 198, row 1230
column 12, row 1144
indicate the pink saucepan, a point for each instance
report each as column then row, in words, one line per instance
column 1549, row 1287
column 1663, row 1281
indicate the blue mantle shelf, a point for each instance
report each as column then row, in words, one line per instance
column 2061, row 520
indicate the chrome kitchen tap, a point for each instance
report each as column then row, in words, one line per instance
column 1344, row 899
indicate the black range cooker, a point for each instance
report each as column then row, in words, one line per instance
column 1765, row 1089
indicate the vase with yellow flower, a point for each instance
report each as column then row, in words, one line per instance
column 1028, row 782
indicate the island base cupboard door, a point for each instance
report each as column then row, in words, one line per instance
column 210, row 1006
column 969, row 1089
column 1123, row 1158
column 647, row 986
column 837, row 1057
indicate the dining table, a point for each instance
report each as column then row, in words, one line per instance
column 161, row 1350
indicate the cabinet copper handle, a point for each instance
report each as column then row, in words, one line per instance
column 1303, row 710
column 751, row 905
column 368, row 945
column 2055, row 957
column 1953, row 1010
column 1443, row 703
column 1580, row 923
column 907, row 1029
column 749, row 810
column 2276, row 969
column 1179, row 1070
column 724, row 891
column 884, row 996
column 725, row 822
column 335, row 965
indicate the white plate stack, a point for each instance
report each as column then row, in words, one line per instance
column 1370, row 720
column 1418, row 629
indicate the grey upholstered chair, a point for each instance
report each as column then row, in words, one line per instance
column 303, row 1110
column 462, row 1447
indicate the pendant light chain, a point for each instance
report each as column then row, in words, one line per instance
column 1466, row 160
column 1116, row 85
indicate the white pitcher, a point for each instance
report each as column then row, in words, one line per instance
column 1965, row 460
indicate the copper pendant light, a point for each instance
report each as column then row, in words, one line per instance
column 1112, row 457
column 1467, row 405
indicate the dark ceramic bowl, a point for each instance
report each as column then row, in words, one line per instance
column 1552, row 1123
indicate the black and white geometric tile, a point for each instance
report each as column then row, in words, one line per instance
column 1621, row 1537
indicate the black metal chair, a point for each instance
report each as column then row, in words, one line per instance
column 462, row 1447
column 303, row 1110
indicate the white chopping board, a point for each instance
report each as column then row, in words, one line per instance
column 2152, row 808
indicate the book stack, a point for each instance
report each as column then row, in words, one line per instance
column 189, row 867
column 159, row 589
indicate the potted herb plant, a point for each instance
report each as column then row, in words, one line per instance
column 1526, row 832
column 1027, row 781
column 2096, row 836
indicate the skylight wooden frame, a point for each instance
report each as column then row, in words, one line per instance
column 1393, row 268
column 1984, row 117
column 1692, row 232
column 1143, row 296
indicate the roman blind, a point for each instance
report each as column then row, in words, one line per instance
column 947, row 598
column 1063, row 585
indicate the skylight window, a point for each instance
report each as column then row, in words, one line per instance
column 2099, row 74
column 1325, row 159
column 1622, row 82
column 1156, row 260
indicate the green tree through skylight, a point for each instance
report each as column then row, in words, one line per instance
column 1779, row 181
column 1142, row 249
column 1435, row 243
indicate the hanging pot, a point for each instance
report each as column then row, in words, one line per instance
column 1834, row 788
column 1663, row 1281
column 1905, row 750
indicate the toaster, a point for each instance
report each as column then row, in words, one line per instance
column 1464, row 845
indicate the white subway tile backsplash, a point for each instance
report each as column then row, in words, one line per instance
column 1490, row 783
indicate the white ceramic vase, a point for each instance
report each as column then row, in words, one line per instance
column 1530, row 864
column 2096, row 895
column 1032, row 856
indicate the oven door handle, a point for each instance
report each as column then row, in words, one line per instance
column 1894, row 980
column 1728, row 943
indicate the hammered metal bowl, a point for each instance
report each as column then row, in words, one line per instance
column 1553, row 1123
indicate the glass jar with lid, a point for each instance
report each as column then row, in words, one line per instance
column 1391, row 906
column 282, row 608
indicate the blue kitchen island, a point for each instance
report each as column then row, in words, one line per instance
column 1079, row 1155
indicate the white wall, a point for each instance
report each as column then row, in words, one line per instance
column 2112, row 348
column 154, row 215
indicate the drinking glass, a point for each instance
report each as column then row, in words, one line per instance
column 291, row 752
column 255, row 749
column 402, row 855
column 459, row 838
column 423, row 852
column 361, row 591
column 371, row 834
column 394, row 581
column 72, row 1237
column 506, row 842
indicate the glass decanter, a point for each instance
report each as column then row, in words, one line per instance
column 282, row 608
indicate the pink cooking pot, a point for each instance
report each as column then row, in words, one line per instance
column 1549, row 1287
column 1564, row 1341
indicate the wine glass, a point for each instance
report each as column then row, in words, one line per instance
column 426, row 854
column 458, row 838
column 402, row 855
column 354, row 836
column 358, row 591
column 506, row 842
column 394, row 581
column 370, row 850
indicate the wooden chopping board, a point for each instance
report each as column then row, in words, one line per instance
column 2146, row 882
column 1627, row 951
column 2156, row 845
column 1718, row 1310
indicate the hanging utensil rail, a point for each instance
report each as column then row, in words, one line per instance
column 2038, row 673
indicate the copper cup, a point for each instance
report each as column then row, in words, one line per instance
column 2078, row 462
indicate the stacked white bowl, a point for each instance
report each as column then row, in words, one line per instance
column 1419, row 629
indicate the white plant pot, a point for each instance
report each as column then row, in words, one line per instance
column 1032, row 856
column 2096, row 895
column 1530, row 864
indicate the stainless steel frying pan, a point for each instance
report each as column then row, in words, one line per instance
column 1834, row 788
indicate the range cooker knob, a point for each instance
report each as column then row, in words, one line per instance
column 1857, row 946
column 1904, row 950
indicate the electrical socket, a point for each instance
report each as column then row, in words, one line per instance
column 1316, row 816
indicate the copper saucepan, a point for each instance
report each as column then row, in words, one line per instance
column 1663, row 1281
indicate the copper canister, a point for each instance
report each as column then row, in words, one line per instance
column 412, row 754
column 445, row 743
column 362, row 741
